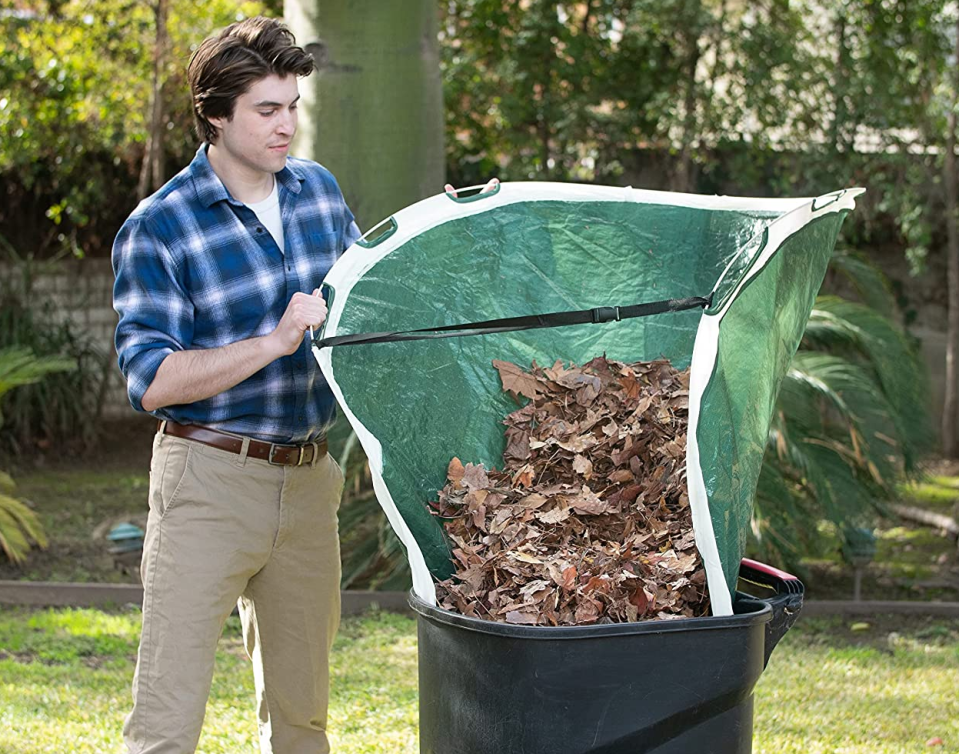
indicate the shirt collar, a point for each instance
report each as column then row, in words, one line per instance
column 210, row 189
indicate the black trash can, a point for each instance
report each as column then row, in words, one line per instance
column 666, row 687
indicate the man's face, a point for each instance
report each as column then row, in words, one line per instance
column 264, row 121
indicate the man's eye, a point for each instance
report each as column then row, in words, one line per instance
column 267, row 113
column 292, row 107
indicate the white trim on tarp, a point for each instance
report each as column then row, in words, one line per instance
column 422, row 579
column 440, row 209
column 705, row 349
column 437, row 210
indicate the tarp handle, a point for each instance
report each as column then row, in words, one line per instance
column 456, row 194
column 328, row 292
column 827, row 199
column 367, row 244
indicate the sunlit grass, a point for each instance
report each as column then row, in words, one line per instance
column 885, row 688
column 65, row 678
column 938, row 493
column 877, row 691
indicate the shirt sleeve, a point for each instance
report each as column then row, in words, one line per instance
column 351, row 233
column 156, row 314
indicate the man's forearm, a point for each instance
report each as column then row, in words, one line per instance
column 194, row 375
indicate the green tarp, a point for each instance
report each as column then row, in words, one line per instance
column 531, row 248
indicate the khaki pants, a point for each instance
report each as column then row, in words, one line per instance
column 222, row 528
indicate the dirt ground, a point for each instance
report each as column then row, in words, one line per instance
column 122, row 444
column 79, row 498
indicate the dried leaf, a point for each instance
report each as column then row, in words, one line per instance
column 516, row 380
column 535, row 545
column 582, row 465
column 455, row 472
column 474, row 477
column 554, row 516
column 527, row 558
column 516, row 616
column 517, row 444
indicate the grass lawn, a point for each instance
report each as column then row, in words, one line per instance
column 65, row 679
column 883, row 688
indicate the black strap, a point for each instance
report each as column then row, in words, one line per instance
column 511, row 324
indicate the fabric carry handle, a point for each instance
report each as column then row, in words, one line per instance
column 599, row 315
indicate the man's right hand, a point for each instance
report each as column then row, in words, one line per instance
column 197, row 374
column 302, row 312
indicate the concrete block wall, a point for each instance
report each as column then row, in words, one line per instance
column 81, row 291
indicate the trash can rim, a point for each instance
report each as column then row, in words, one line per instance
column 750, row 611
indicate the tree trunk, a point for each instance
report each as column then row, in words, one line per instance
column 151, row 171
column 373, row 111
column 949, row 439
column 683, row 180
column 840, row 115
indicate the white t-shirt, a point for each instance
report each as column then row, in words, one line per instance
column 269, row 213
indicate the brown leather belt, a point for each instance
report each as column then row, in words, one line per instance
column 279, row 455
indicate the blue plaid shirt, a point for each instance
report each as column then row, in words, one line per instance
column 195, row 268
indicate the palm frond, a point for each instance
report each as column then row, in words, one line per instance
column 833, row 400
column 865, row 336
column 19, row 529
column 866, row 279
column 778, row 506
column 20, row 366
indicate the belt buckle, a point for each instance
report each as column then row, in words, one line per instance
column 299, row 459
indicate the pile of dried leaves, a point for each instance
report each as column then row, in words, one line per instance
column 589, row 521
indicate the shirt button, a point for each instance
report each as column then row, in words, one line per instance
column 302, row 417
column 259, row 229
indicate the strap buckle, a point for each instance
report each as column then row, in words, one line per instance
column 605, row 314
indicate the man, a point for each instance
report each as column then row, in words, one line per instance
column 217, row 280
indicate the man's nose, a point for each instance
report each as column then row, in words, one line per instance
column 286, row 125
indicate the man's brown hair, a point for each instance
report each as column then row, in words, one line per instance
column 227, row 64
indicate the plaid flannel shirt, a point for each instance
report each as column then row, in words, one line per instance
column 195, row 269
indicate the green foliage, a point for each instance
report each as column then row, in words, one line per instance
column 558, row 90
column 20, row 366
column 75, row 88
column 19, row 529
column 773, row 99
